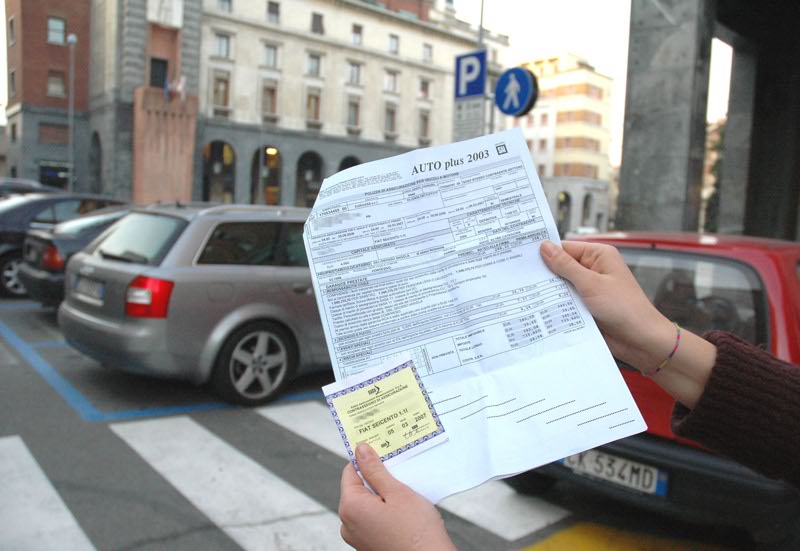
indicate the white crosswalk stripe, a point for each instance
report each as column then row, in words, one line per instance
column 493, row 506
column 32, row 514
column 253, row 506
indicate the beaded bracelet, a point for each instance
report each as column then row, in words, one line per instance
column 671, row 354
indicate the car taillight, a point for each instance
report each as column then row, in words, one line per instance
column 51, row 260
column 148, row 297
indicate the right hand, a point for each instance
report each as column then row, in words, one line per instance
column 395, row 518
column 634, row 330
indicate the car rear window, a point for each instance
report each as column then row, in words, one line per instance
column 255, row 244
column 87, row 223
column 10, row 203
column 703, row 293
column 141, row 238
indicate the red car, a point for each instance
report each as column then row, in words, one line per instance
column 744, row 285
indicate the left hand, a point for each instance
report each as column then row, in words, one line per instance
column 396, row 518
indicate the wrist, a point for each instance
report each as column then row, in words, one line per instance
column 653, row 343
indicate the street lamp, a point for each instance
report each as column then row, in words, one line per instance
column 72, row 39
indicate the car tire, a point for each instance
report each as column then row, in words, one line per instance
column 10, row 284
column 531, row 483
column 255, row 363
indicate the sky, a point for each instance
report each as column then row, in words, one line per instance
column 596, row 30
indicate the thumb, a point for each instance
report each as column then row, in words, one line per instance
column 374, row 471
column 564, row 265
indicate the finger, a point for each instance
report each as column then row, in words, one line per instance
column 565, row 265
column 374, row 471
column 351, row 483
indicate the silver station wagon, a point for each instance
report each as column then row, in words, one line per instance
column 219, row 294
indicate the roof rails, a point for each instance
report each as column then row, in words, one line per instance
column 233, row 207
column 181, row 204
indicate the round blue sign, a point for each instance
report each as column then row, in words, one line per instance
column 516, row 91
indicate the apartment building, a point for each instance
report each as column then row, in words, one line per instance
column 293, row 91
column 569, row 133
column 230, row 100
column 38, row 50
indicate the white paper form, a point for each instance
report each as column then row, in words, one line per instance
column 435, row 253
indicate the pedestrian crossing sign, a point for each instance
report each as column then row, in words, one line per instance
column 516, row 91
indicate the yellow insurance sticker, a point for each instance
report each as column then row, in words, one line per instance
column 389, row 410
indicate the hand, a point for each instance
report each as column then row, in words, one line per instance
column 396, row 518
column 634, row 330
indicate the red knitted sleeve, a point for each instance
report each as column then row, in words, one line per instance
column 749, row 411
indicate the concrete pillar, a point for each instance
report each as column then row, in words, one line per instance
column 738, row 130
column 244, row 164
column 665, row 108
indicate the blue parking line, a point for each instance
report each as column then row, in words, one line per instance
column 21, row 305
column 74, row 398
column 85, row 408
column 47, row 344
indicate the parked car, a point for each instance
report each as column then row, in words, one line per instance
column 45, row 253
column 220, row 295
column 21, row 186
column 748, row 286
column 20, row 213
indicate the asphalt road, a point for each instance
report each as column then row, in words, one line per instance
column 92, row 458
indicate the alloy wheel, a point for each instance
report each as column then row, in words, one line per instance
column 10, row 277
column 258, row 364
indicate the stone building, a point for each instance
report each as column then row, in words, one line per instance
column 293, row 92
column 578, row 204
column 236, row 100
column 37, row 131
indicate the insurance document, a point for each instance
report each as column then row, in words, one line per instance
column 433, row 255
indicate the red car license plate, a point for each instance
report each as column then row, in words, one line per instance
column 619, row 470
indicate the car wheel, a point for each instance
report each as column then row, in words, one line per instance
column 10, row 284
column 255, row 362
column 530, row 483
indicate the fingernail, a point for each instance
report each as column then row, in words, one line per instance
column 549, row 248
column 365, row 452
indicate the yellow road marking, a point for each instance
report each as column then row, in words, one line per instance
column 585, row 536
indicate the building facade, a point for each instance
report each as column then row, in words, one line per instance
column 577, row 203
column 253, row 102
column 38, row 52
column 569, row 134
column 292, row 92
column 569, row 128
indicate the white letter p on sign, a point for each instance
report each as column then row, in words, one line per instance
column 468, row 70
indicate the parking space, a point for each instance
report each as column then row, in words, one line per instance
column 287, row 439
column 102, row 393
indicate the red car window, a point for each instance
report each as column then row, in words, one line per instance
column 702, row 293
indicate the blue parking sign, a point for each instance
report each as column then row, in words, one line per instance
column 471, row 74
column 516, row 91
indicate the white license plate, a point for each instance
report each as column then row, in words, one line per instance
column 618, row 470
column 90, row 288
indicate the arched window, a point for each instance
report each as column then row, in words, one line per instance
column 96, row 165
column 266, row 190
column 219, row 172
column 309, row 178
column 349, row 162
column 564, row 212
